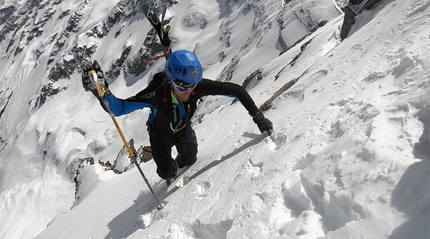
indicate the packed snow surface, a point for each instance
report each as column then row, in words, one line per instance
column 348, row 158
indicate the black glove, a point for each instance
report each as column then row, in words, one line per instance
column 87, row 83
column 263, row 123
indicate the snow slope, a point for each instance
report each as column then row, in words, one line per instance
column 349, row 157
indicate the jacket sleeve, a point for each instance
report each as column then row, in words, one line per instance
column 150, row 97
column 210, row 87
column 122, row 107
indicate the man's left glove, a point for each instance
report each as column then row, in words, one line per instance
column 263, row 123
column 87, row 83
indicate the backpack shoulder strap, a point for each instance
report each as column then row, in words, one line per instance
column 159, row 80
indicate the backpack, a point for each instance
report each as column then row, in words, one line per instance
column 159, row 80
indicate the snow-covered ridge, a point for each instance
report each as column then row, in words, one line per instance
column 348, row 159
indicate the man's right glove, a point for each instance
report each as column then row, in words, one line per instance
column 263, row 123
column 88, row 84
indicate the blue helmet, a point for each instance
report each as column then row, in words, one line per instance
column 184, row 65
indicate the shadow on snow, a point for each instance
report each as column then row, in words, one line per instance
column 130, row 220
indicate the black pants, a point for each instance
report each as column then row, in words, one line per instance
column 162, row 153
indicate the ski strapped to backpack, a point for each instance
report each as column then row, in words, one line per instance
column 92, row 75
column 163, row 34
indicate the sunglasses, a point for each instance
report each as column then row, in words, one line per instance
column 182, row 86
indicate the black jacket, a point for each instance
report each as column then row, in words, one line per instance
column 170, row 117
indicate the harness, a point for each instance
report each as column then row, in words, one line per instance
column 181, row 116
column 181, row 113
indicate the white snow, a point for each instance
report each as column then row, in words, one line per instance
column 349, row 156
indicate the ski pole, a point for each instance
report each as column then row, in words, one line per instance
column 133, row 157
column 93, row 76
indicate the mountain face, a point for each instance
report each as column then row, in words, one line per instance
column 52, row 133
column 53, row 37
column 43, row 42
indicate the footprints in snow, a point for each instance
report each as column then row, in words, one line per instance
column 197, row 229
column 201, row 188
column 179, row 228
column 307, row 200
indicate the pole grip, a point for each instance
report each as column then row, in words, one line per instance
column 93, row 75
